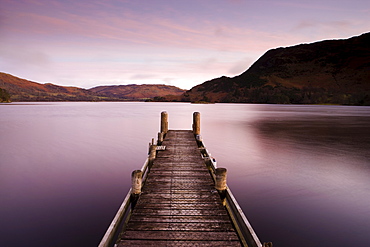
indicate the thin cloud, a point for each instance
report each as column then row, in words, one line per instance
column 143, row 76
column 168, row 80
column 136, row 28
column 318, row 5
column 316, row 24
column 304, row 25
column 235, row 1
column 329, row 29
column 24, row 57
column 240, row 66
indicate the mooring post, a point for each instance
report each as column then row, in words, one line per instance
column 196, row 123
column 136, row 182
column 164, row 122
column 160, row 138
column 221, row 181
column 152, row 152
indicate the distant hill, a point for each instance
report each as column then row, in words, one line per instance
column 24, row 90
column 331, row 71
column 137, row 92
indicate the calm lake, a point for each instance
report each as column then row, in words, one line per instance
column 300, row 173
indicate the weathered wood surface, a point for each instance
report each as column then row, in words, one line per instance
column 179, row 205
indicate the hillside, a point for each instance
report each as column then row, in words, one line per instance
column 137, row 92
column 332, row 71
column 24, row 90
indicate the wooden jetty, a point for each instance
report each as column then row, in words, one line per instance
column 179, row 198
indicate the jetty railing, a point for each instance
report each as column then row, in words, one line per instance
column 244, row 229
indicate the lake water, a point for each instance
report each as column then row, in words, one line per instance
column 300, row 173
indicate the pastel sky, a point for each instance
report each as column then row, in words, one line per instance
column 87, row 43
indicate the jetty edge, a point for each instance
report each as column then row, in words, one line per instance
column 185, row 201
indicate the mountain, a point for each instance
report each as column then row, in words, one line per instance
column 331, row 71
column 24, row 90
column 137, row 92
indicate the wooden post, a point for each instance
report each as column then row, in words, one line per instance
column 221, row 182
column 136, row 176
column 221, row 179
column 160, row 138
column 136, row 181
column 152, row 152
column 164, row 122
column 196, row 123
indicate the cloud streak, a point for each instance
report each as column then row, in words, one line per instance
column 137, row 28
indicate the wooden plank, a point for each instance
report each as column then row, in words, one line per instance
column 185, row 197
column 143, row 243
column 172, row 172
column 171, row 211
column 202, row 180
column 180, row 226
column 178, row 200
column 169, row 205
column 181, row 235
column 177, row 218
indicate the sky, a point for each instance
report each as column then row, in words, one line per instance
column 88, row 43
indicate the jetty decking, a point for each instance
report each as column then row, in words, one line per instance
column 179, row 205
column 179, row 198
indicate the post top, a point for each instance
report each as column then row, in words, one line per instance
column 221, row 170
column 136, row 172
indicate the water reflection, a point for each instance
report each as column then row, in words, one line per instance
column 350, row 134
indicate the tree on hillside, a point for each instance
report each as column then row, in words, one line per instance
column 4, row 96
